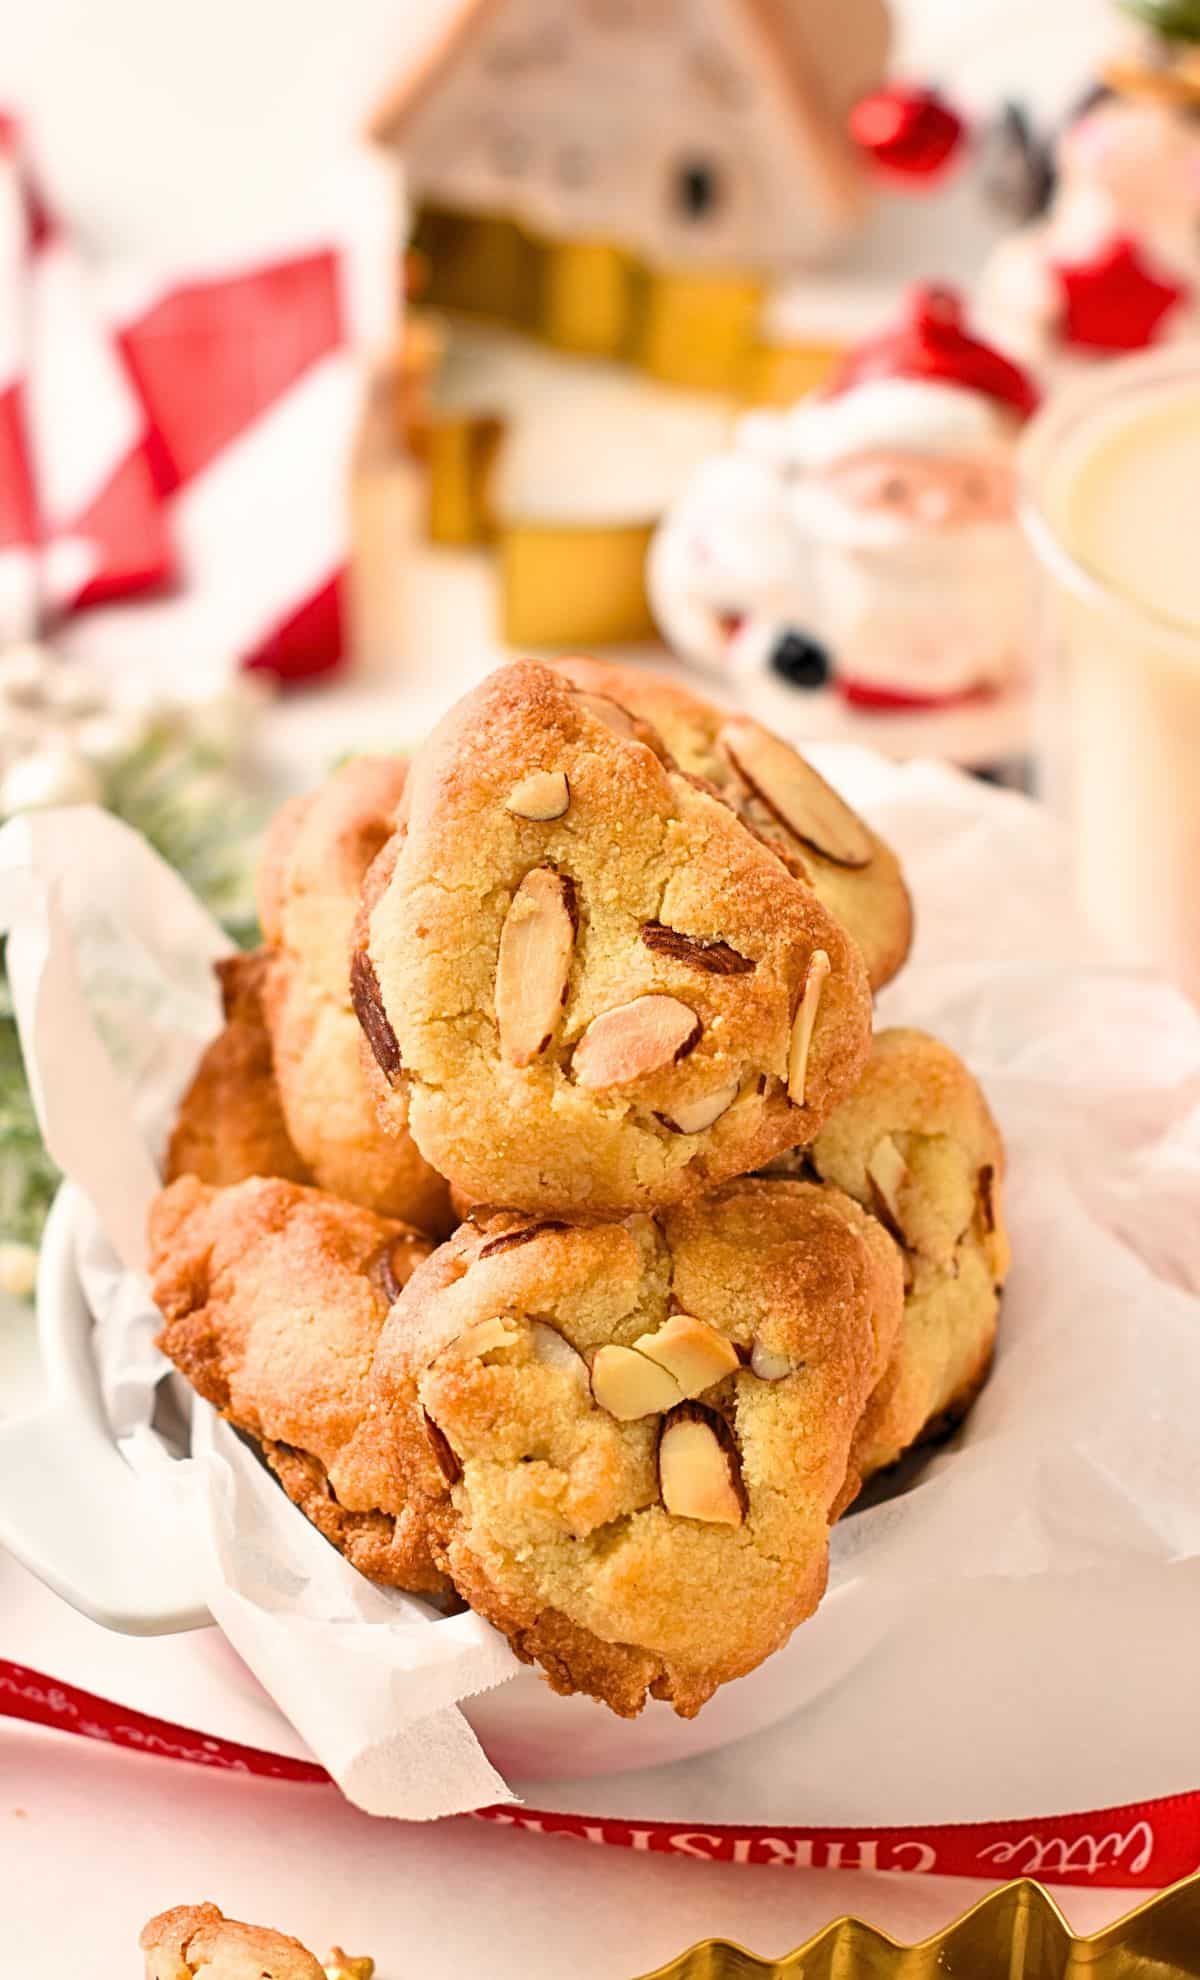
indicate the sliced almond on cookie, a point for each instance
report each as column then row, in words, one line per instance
column 367, row 999
column 698, row 1471
column 693, row 1116
column 715, row 957
column 443, row 1451
column 690, row 1350
column 395, row 1262
column 534, row 962
column 634, row 1039
column 985, row 1189
column 485, row 1335
column 888, row 1174
column 768, row 1365
column 627, row 1385
column 525, row 1234
column 798, row 797
column 611, row 713
column 618, row 718
column 554, row 1350
column 542, row 796
column 802, row 1026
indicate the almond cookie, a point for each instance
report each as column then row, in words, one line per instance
column 592, row 989
column 311, row 873
column 230, row 1122
column 273, row 1298
column 781, row 797
column 917, row 1145
column 628, row 1439
column 197, row 1942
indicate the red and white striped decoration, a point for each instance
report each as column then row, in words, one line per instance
column 176, row 455
column 80, row 516
column 19, row 523
column 251, row 389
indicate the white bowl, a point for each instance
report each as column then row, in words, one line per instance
column 530, row 1734
column 74, row 1512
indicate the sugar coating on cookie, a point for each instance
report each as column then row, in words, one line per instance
column 231, row 1123
column 778, row 793
column 629, row 1439
column 194, row 1940
column 917, row 1145
column 273, row 1298
column 602, row 1006
column 310, row 877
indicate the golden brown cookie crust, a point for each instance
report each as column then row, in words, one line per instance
column 273, row 1298
column 872, row 901
column 656, row 906
column 312, row 869
column 230, row 1122
column 387, row 1547
column 314, row 857
column 197, row 1942
column 917, row 1144
column 557, row 1519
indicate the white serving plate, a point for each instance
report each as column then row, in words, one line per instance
column 75, row 1513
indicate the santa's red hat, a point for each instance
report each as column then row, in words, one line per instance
column 925, row 385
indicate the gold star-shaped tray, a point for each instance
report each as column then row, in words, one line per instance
column 1015, row 1933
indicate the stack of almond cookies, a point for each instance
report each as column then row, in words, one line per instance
column 546, row 1209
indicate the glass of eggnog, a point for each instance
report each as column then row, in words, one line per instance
column 1111, row 504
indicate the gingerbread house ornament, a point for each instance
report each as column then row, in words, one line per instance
column 622, row 182
column 690, row 133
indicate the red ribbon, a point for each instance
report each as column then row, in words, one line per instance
column 1140, row 1846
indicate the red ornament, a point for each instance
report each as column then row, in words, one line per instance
column 908, row 133
column 1115, row 302
column 931, row 342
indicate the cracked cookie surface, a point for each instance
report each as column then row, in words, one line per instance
column 917, row 1146
column 273, row 1299
column 853, row 872
column 314, row 861
column 628, row 1440
column 601, row 996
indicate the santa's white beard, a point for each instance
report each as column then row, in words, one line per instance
column 922, row 612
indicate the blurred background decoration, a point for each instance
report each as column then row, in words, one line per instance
column 1111, row 261
column 867, row 536
column 569, row 234
column 622, row 229
column 348, row 353
column 507, row 271
column 172, row 454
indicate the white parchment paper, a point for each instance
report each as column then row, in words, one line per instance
column 110, row 959
column 1080, row 1462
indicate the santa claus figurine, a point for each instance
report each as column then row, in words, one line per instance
column 726, row 565
column 903, row 480
column 1113, row 264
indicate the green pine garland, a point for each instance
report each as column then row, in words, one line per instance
column 184, row 796
column 1175, row 20
column 28, row 1178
